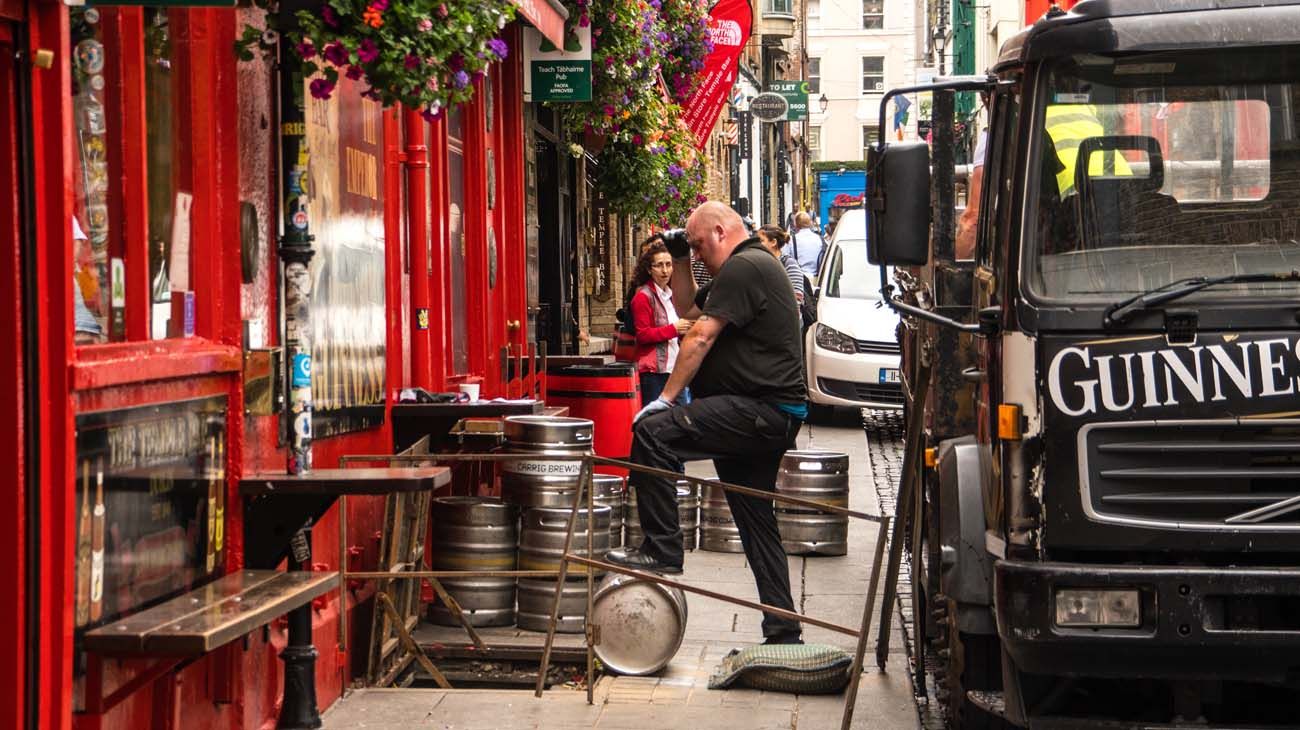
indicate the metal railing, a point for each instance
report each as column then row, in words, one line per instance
column 585, row 490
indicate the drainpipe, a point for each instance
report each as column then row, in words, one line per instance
column 417, row 210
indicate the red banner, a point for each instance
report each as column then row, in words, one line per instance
column 729, row 25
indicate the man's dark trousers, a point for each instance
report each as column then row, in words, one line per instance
column 745, row 438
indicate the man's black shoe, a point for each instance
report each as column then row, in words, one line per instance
column 788, row 638
column 633, row 558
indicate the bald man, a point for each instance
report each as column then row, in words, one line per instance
column 743, row 362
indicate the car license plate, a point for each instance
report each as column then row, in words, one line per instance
column 888, row 375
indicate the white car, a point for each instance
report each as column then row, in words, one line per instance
column 852, row 350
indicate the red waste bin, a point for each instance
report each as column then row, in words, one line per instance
column 609, row 395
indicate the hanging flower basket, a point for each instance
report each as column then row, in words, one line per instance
column 423, row 54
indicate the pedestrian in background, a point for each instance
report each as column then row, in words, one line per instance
column 774, row 240
column 655, row 320
column 807, row 245
column 743, row 362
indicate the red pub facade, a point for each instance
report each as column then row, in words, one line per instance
column 144, row 308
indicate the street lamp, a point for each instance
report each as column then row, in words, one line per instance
column 940, row 42
column 822, row 103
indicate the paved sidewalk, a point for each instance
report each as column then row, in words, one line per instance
column 829, row 588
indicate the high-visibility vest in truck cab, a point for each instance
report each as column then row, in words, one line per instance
column 1069, row 125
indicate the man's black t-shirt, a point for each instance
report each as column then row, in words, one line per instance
column 758, row 353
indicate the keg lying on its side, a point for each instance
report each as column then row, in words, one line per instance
column 609, row 492
column 474, row 533
column 688, row 516
column 641, row 624
column 822, row 476
column 718, row 532
column 535, row 480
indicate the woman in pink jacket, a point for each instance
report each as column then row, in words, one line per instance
column 655, row 319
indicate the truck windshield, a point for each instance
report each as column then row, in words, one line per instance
column 1160, row 167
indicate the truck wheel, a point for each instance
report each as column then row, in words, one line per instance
column 972, row 662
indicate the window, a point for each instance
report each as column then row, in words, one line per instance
column 813, row 11
column 456, row 240
column 873, row 74
column 778, row 7
column 814, row 140
column 869, row 135
column 814, row 76
column 132, row 203
column 873, row 14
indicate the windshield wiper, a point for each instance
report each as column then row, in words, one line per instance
column 1122, row 311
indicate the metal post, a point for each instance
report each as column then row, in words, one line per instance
column 584, row 474
column 298, row 709
column 588, row 630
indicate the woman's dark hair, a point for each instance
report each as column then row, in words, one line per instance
column 777, row 234
column 641, row 274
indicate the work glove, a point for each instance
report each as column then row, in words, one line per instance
column 651, row 408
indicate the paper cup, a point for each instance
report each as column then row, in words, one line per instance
column 471, row 389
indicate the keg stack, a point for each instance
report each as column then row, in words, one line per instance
column 718, row 532
column 821, row 476
column 688, row 515
column 543, row 488
column 474, row 533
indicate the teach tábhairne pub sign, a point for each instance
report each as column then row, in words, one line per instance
column 558, row 74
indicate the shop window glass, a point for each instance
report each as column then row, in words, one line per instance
column 456, row 241
column 133, row 181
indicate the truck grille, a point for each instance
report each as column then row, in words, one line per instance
column 1223, row 475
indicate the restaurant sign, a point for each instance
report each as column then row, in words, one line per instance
column 149, row 506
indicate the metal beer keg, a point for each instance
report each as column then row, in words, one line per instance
column 534, row 480
column 822, row 476
column 688, row 516
column 718, row 532
column 474, row 533
column 641, row 624
column 609, row 492
column 537, row 595
column 541, row 538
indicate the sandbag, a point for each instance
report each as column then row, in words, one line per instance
column 797, row 668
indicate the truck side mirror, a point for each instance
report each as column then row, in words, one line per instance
column 898, row 204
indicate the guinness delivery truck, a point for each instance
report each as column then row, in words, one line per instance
column 1106, row 399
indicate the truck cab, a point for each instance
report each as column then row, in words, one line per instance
column 1112, row 528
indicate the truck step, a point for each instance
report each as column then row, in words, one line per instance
column 994, row 703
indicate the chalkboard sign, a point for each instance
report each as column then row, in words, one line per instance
column 150, row 505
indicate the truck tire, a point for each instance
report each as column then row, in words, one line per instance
column 971, row 662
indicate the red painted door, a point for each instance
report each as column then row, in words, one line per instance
column 13, row 367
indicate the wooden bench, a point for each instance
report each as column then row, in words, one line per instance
column 212, row 616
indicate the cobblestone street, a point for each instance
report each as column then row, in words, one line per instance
column 828, row 588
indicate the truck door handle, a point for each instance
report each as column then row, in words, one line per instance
column 973, row 375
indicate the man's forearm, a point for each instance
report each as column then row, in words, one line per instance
column 689, row 358
column 683, row 286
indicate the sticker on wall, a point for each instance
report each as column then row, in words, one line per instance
column 422, row 318
column 90, row 56
column 301, row 370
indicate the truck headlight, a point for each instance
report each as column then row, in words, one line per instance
column 1083, row 608
column 833, row 340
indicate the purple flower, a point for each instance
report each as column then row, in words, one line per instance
column 609, row 110
column 354, row 72
column 460, row 79
column 662, row 209
column 676, row 170
column 380, row 5
column 367, row 52
column 331, row 19
column 663, row 37
column 306, row 50
column 336, row 54
column 584, row 20
column 498, row 48
column 672, row 190
column 321, row 89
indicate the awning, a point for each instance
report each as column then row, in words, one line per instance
column 547, row 16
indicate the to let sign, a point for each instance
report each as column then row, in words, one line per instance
column 558, row 74
column 796, row 98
